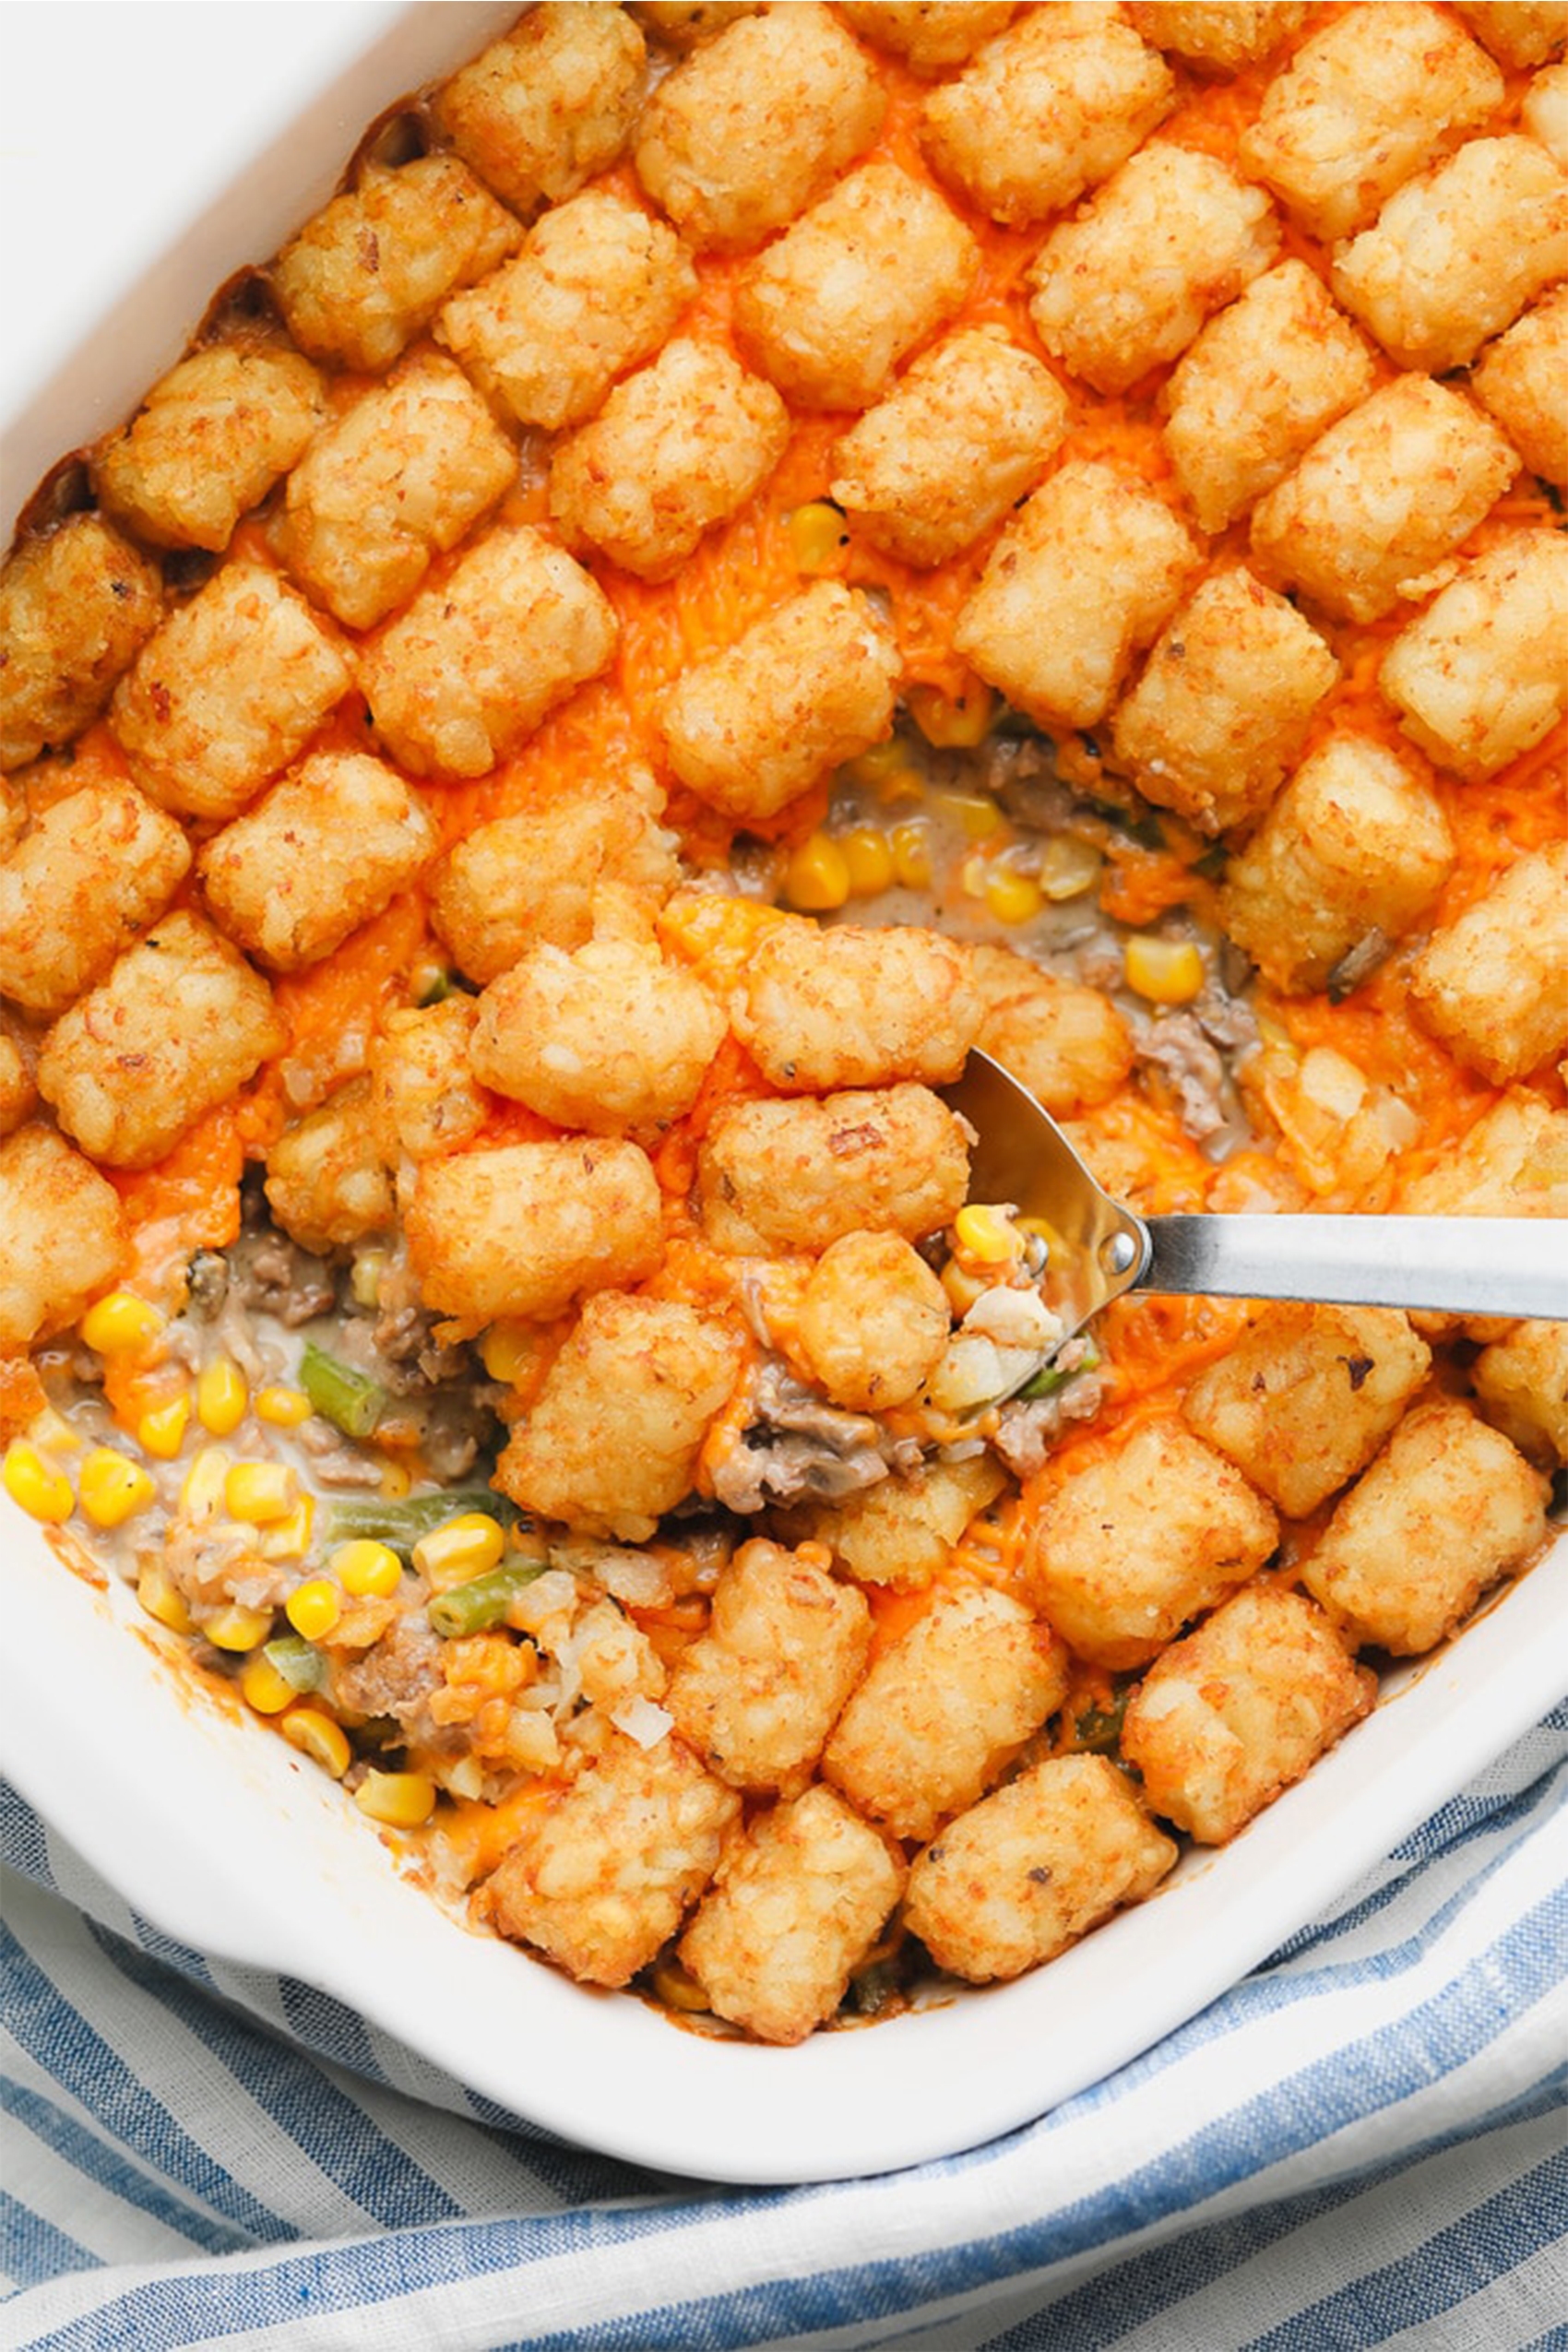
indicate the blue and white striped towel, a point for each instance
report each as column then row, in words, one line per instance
column 1363, row 2143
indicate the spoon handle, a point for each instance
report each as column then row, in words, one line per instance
column 1470, row 1265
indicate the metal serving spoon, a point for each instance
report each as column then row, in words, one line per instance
column 1469, row 1266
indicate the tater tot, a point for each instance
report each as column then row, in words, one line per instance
column 19, row 1088
column 327, row 1182
column 1355, row 844
column 1511, row 1162
column 856, row 1008
column 1225, row 1719
column 859, row 282
column 739, row 139
column 799, row 1175
column 1224, row 702
column 1544, row 113
column 1480, row 676
column 612, row 1443
column 1063, row 1041
column 1219, row 35
column 1019, row 1878
column 397, row 478
column 1447, row 1508
column 1519, row 381
column 601, row 1880
column 228, row 690
column 1135, row 1545
column 549, row 104
column 1078, row 581
column 1362, row 105
column 1125, row 285
column 1456, row 255
column 805, row 688
column 523, row 1228
column 874, row 1321
column 93, row 871
column 208, row 444
column 465, row 674
column 537, row 876
column 320, row 853
column 1050, row 108
column 1519, row 32
column 901, row 1531
column 686, row 24
column 1307, row 1395
column 758, row 1693
column 62, row 1235
column 607, row 1038
column 596, row 289
column 677, row 447
column 795, row 1907
column 426, row 1097
column 962, row 434
column 1493, row 985
column 1521, row 1385
column 1382, row 497
column 179, row 1022
column 361, row 277
column 944, row 1708
column 930, row 35
column 77, row 605
column 1261, row 382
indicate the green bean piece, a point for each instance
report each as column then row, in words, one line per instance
column 298, row 1661
column 483, row 1601
column 1050, row 1379
column 350, row 1400
column 401, row 1525
column 1098, row 1731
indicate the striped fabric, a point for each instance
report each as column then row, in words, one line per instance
column 1363, row 2143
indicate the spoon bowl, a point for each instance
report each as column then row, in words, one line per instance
column 1099, row 1249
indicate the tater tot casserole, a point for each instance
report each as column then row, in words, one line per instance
column 746, row 553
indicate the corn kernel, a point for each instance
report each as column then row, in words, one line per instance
column 235, row 1627
column 869, row 859
column 509, row 1351
column 986, row 1234
column 1167, row 972
column 816, row 535
column 817, row 876
column 262, row 1687
column 161, row 1431
column 962, row 1287
column 283, row 1406
column 910, row 845
column 395, row 1480
column 975, row 812
column 465, row 1547
column 366, row 1568
column 37, row 1484
column 201, row 1493
column 1013, row 898
column 313, row 1608
column 317, row 1736
column 52, row 1433
column 120, row 1324
column 221, row 1396
column 365, row 1280
column 973, row 874
column 953, row 722
column 161, row 1598
column 289, row 1538
column 112, row 1488
column 400, row 1799
column 883, row 765
column 260, row 1492
column 1068, row 867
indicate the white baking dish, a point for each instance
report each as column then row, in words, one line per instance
column 207, row 1825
